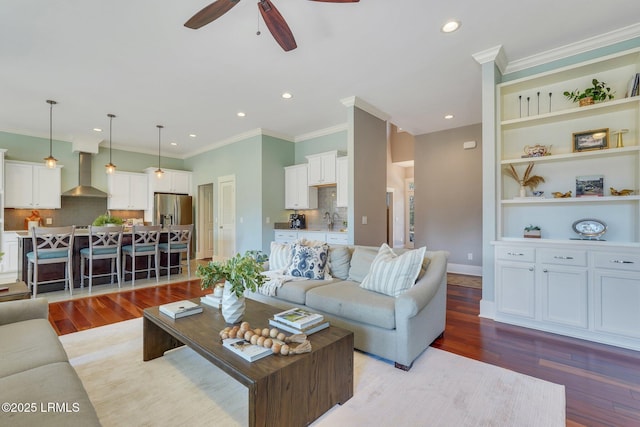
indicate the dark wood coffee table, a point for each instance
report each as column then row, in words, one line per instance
column 283, row 390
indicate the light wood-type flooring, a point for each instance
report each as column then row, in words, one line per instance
column 602, row 382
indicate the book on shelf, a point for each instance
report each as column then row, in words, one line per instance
column 307, row 331
column 246, row 350
column 212, row 301
column 180, row 309
column 298, row 318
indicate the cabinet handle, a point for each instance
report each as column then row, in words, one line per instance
column 545, row 271
column 515, row 254
column 562, row 257
column 530, row 268
column 621, row 261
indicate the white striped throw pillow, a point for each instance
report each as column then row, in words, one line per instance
column 280, row 256
column 391, row 274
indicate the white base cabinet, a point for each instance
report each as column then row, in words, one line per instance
column 290, row 236
column 9, row 263
column 587, row 290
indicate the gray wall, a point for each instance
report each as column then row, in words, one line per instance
column 448, row 193
column 368, row 172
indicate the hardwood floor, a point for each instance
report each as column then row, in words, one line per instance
column 602, row 382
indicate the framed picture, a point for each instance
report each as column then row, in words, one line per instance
column 590, row 186
column 597, row 139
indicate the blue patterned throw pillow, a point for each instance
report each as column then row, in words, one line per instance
column 308, row 261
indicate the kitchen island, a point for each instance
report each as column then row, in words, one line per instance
column 80, row 241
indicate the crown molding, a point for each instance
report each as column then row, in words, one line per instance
column 494, row 54
column 321, row 132
column 592, row 43
column 354, row 101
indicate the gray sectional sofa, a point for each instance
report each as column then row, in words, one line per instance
column 38, row 385
column 396, row 328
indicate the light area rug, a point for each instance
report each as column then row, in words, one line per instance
column 182, row 388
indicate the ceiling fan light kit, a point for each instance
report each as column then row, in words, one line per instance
column 271, row 16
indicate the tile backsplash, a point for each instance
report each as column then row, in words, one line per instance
column 326, row 204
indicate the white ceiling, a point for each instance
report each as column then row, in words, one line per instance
column 135, row 59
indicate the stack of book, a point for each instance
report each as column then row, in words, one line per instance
column 209, row 299
column 634, row 86
column 299, row 321
column 246, row 350
column 179, row 309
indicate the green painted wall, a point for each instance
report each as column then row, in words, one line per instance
column 334, row 141
column 33, row 149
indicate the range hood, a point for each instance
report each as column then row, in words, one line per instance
column 84, row 188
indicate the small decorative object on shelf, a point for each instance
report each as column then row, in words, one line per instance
column 589, row 228
column 590, row 186
column 591, row 140
column 532, row 231
column 559, row 195
column 625, row 192
column 599, row 91
column 538, row 193
column 528, row 180
column 619, row 143
column 536, row 150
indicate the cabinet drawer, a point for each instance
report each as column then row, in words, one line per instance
column 337, row 238
column 563, row 257
column 516, row 253
column 285, row 236
column 616, row 261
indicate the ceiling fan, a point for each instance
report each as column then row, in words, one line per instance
column 272, row 18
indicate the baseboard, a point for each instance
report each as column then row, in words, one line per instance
column 469, row 270
column 487, row 309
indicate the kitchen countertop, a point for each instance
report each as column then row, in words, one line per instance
column 311, row 230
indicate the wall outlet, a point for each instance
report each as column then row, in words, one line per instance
column 470, row 256
column 49, row 221
column 364, row 220
column 268, row 220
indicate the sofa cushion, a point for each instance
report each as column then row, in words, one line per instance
column 28, row 344
column 339, row 261
column 57, row 383
column 361, row 263
column 279, row 256
column 348, row 300
column 296, row 291
column 392, row 274
column 308, row 261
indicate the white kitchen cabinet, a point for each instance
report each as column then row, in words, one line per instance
column 564, row 292
column 172, row 181
column 337, row 238
column 9, row 263
column 322, row 168
column 297, row 193
column 285, row 236
column 290, row 236
column 516, row 289
column 128, row 191
column 32, row 186
column 313, row 236
column 342, row 182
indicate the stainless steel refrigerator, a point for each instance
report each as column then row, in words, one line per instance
column 170, row 209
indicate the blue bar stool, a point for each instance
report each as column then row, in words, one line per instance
column 104, row 243
column 144, row 242
column 178, row 242
column 51, row 245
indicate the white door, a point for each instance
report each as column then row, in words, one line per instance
column 227, row 216
column 205, row 221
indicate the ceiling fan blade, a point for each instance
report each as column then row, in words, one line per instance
column 338, row 1
column 210, row 13
column 277, row 25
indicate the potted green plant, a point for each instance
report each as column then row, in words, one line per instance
column 599, row 91
column 238, row 274
column 106, row 219
column 532, row 231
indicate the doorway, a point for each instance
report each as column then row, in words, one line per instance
column 226, row 216
column 205, row 221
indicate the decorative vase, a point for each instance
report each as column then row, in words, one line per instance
column 232, row 306
column 523, row 191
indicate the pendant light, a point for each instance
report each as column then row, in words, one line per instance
column 159, row 171
column 110, row 166
column 50, row 161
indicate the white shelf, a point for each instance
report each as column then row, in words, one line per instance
column 575, row 156
column 570, row 200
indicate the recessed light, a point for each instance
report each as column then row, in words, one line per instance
column 449, row 116
column 241, row 114
column 287, row 95
column 450, row 26
column 192, row 135
column 97, row 129
column 174, row 143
